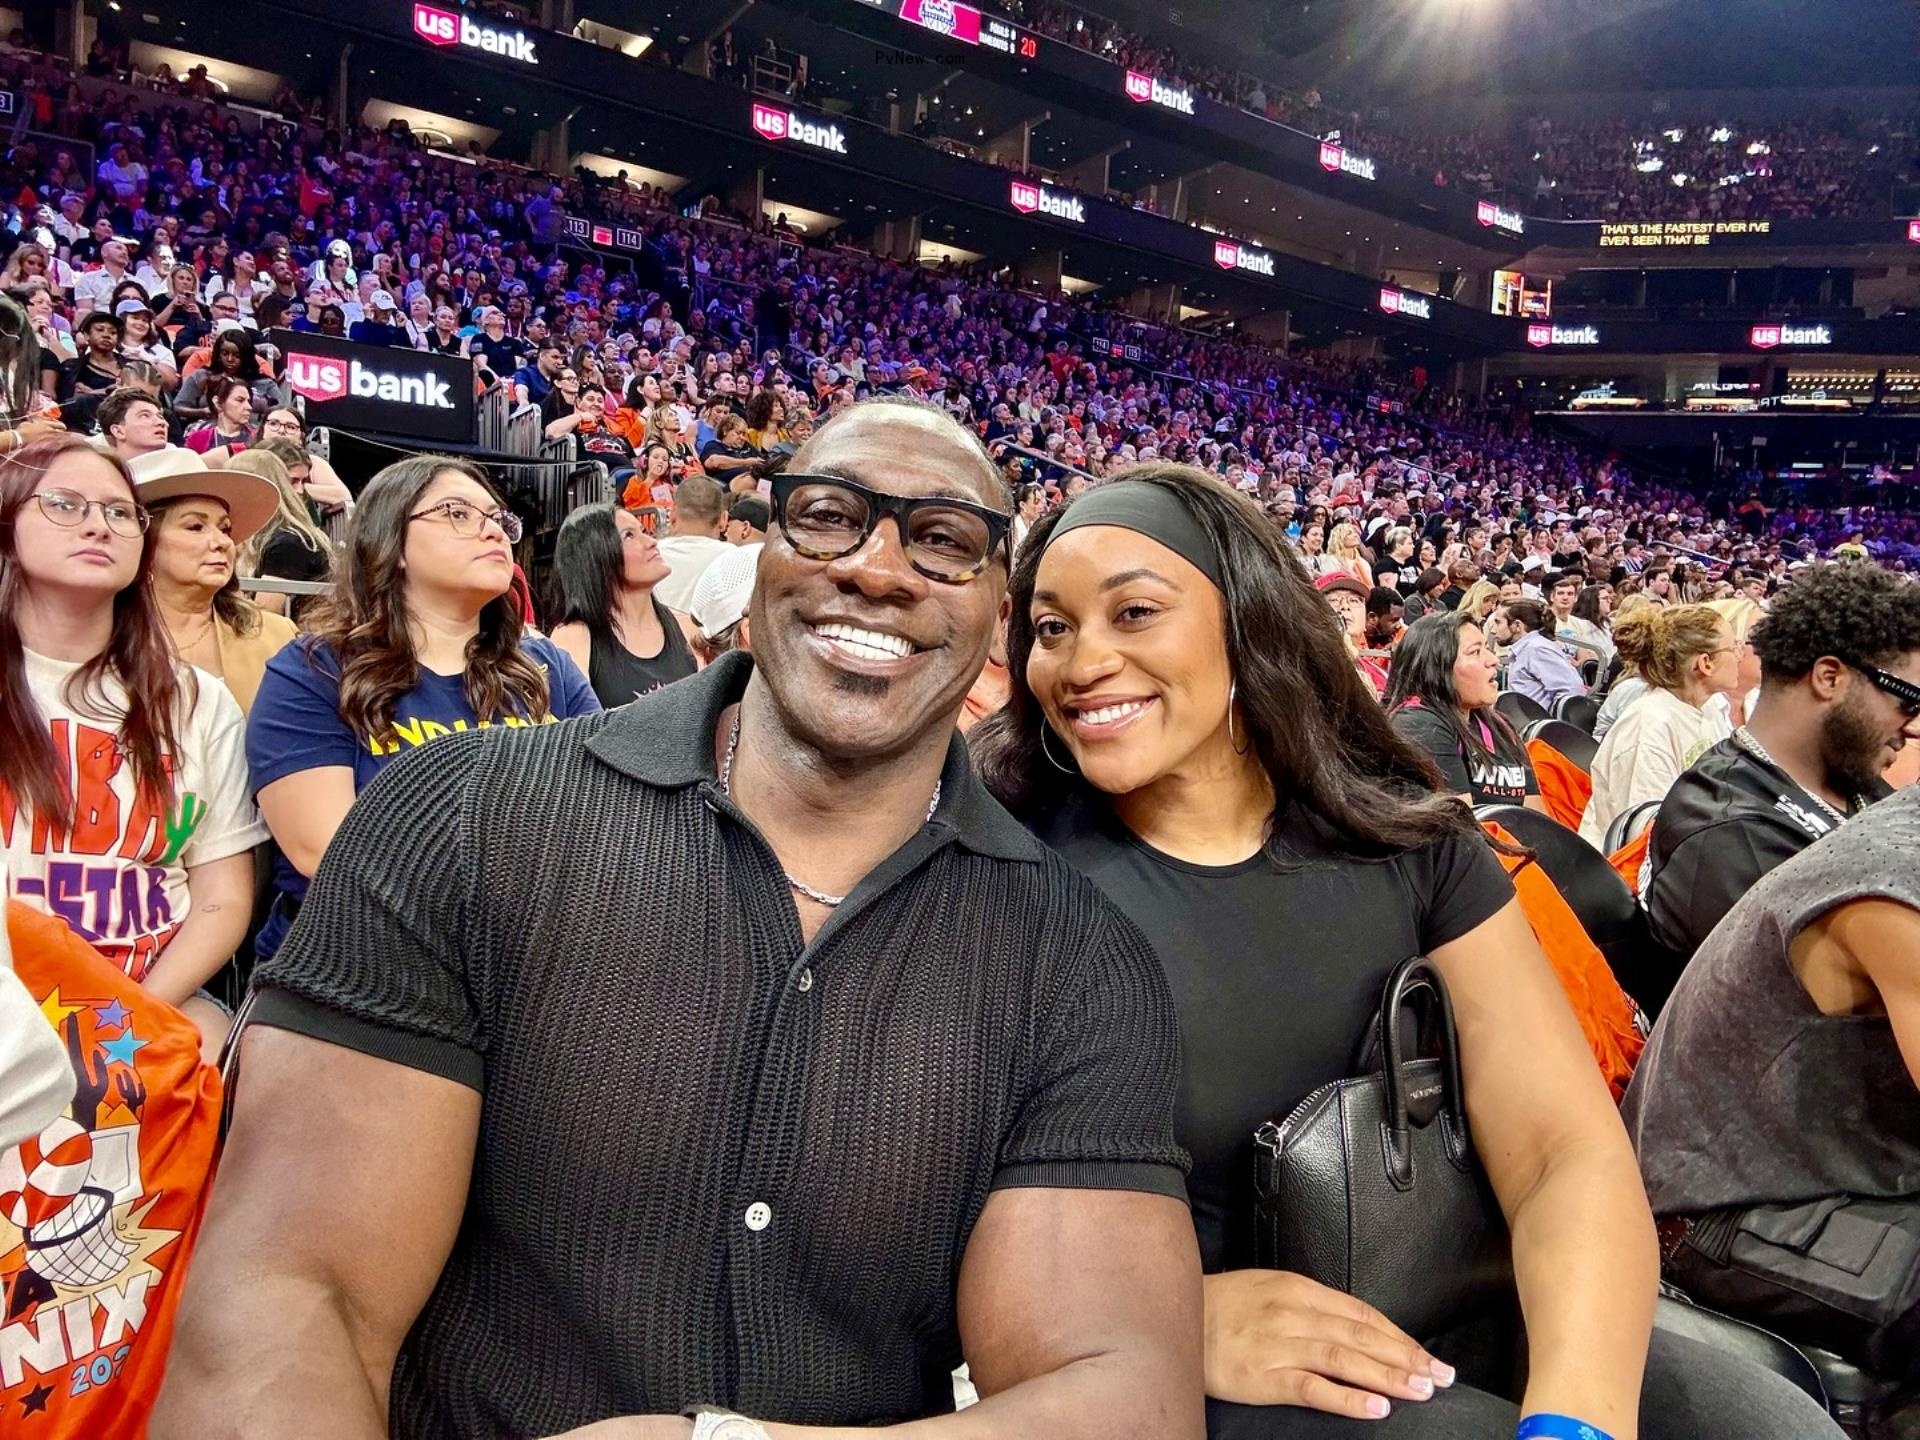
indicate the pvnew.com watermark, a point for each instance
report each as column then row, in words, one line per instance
column 909, row 57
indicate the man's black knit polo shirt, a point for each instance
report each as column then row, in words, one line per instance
column 716, row 1164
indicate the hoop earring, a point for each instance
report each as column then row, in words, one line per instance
column 1046, row 730
column 1233, row 694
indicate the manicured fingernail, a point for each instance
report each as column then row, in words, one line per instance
column 1442, row 1373
column 1421, row 1386
column 1377, row 1407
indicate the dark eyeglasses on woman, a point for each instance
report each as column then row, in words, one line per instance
column 467, row 521
column 824, row 517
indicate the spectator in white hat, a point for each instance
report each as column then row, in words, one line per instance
column 720, row 603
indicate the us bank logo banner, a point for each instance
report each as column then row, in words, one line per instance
column 377, row 388
column 456, row 27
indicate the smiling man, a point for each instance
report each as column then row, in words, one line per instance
column 846, row 1080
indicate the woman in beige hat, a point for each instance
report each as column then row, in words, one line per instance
column 201, row 518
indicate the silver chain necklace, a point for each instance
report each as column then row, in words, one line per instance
column 819, row 897
column 1747, row 741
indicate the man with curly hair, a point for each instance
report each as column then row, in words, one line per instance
column 1839, row 697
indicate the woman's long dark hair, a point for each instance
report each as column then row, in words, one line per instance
column 1320, row 735
column 139, row 655
column 588, row 563
column 364, row 616
column 1422, row 674
column 19, row 362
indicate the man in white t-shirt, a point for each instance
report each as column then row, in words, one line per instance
column 693, row 542
column 93, row 289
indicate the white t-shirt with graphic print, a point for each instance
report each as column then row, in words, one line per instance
column 119, row 876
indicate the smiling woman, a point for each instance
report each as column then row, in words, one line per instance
column 1185, row 727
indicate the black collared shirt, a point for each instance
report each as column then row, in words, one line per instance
column 716, row 1164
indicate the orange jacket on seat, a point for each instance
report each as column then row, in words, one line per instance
column 99, row 1211
column 1606, row 1014
column 1565, row 788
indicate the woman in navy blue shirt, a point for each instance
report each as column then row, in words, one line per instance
column 418, row 639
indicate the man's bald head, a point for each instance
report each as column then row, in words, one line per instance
column 919, row 423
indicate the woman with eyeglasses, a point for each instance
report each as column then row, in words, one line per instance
column 1281, row 848
column 417, row 639
column 126, row 766
column 561, row 396
column 605, row 566
column 1686, row 654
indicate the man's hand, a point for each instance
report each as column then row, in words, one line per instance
column 1276, row 1338
column 633, row 1427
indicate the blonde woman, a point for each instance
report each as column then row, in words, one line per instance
column 1741, row 614
column 1627, row 686
column 290, row 546
column 1480, row 601
column 1686, row 655
column 1343, row 555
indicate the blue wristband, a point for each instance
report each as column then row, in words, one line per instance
column 1558, row 1427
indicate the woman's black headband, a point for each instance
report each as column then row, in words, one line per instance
column 1150, row 510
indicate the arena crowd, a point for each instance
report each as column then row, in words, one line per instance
column 887, row 894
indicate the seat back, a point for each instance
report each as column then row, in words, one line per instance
column 1597, row 895
column 1579, row 711
column 1577, row 745
column 1628, row 824
column 1520, row 710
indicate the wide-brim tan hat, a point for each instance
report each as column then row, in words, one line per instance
column 168, row 474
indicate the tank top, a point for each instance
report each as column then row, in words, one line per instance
column 1747, row 1094
column 618, row 675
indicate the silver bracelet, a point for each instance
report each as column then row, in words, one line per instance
column 712, row 1424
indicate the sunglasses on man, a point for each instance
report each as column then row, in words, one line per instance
column 1904, row 693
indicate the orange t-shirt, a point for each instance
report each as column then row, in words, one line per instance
column 100, row 1210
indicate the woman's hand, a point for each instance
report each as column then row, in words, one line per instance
column 38, row 428
column 325, row 487
column 1276, row 1338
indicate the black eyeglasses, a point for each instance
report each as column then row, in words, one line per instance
column 1905, row 692
column 824, row 517
column 467, row 521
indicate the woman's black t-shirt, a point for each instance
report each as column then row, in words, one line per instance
column 1506, row 779
column 1276, row 973
column 618, row 675
column 287, row 556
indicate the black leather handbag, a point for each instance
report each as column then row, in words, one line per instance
column 1371, row 1186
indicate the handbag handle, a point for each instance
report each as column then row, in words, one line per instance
column 1410, row 978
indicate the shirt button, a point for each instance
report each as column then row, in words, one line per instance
column 806, row 981
column 759, row 1216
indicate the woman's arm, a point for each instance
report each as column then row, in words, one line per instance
column 563, row 425
column 220, row 896
column 576, row 640
column 1553, row 1146
column 304, row 809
